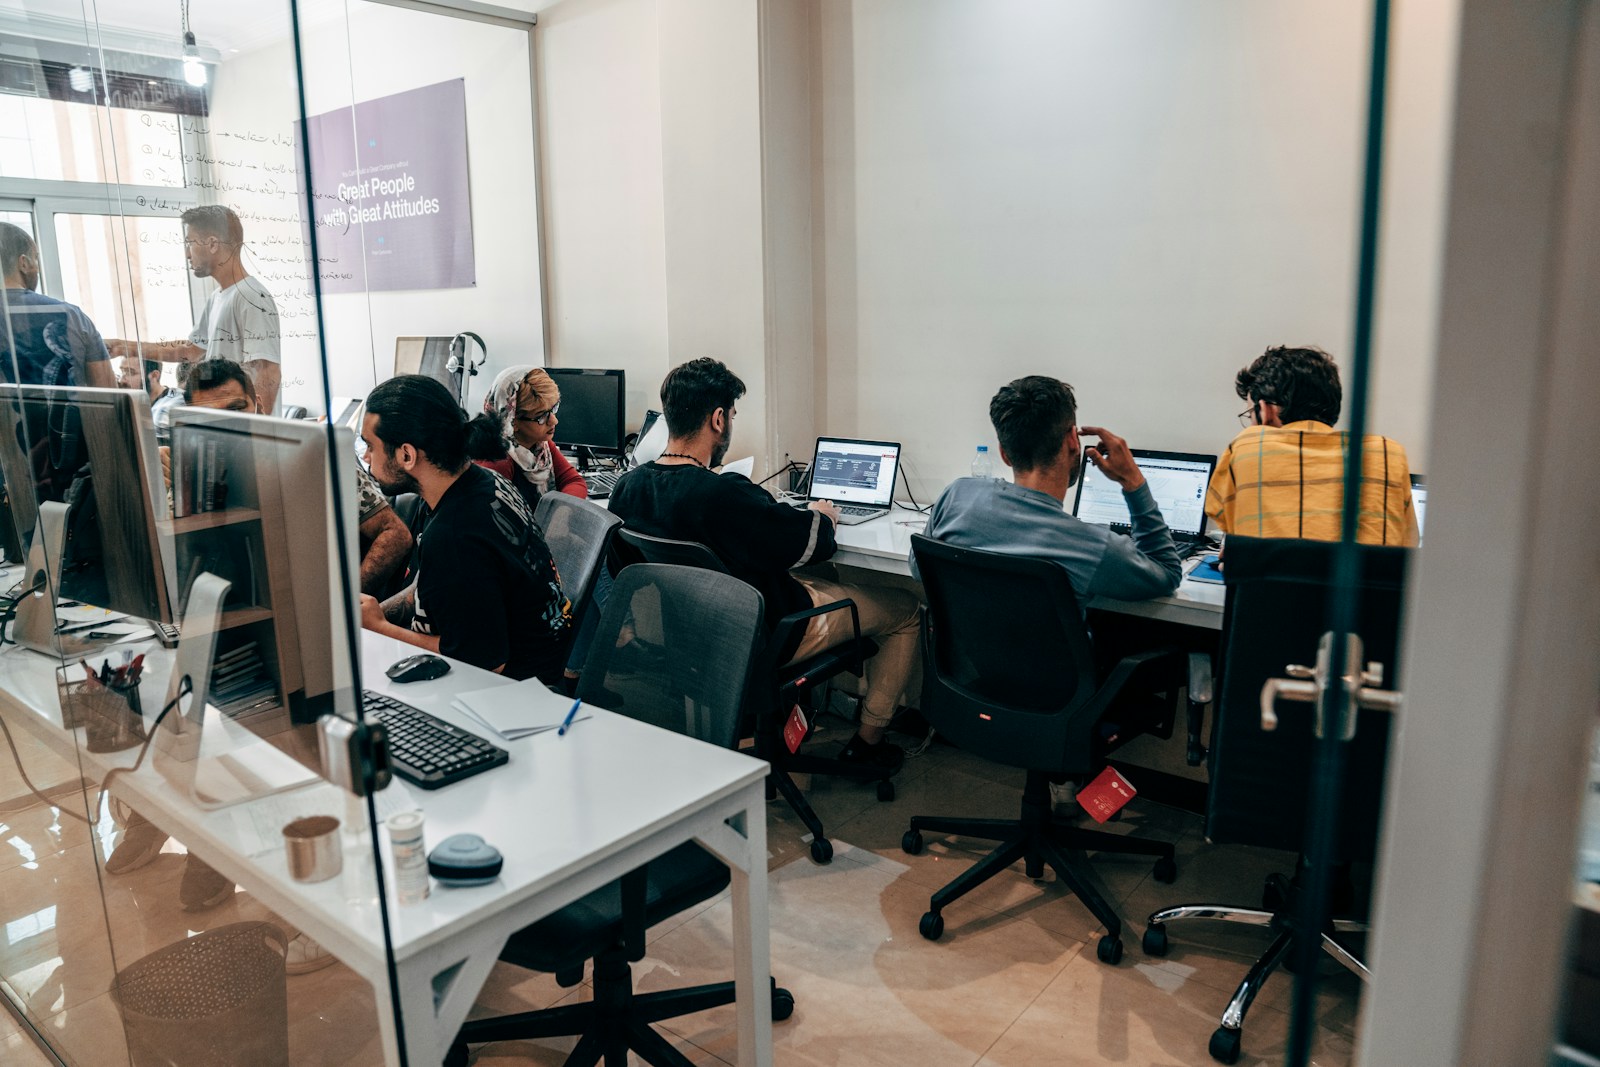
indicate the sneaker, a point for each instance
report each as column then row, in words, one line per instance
column 141, row 843
column 883, row 755
column 202, row 887
column 305, row 955
column 1064, row 798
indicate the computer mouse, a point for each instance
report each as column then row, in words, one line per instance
column 418, row 668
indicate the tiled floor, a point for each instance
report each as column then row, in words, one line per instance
column 1013, row 982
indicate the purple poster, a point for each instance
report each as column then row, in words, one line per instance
column 390, row 197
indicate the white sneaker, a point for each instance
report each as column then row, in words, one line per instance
column 1064, row 798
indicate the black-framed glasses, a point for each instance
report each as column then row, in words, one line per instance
column 1247, row 417
column 541, row 418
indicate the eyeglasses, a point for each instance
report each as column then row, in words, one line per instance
column 541, row 418
column 1247, row 417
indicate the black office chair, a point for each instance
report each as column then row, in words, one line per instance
column 708, row 624
column 785, row 684
column 578, row 534
column 1277, row 610
column 1010, row 676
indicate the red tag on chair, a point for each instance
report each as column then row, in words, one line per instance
column 1108, row 794
column 794, row 730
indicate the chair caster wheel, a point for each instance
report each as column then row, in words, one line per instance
column 782, row 1004
column 885, row 791
column 1225, row 1045
column 457, row 1056
column 1155, row 941
column 1166, row 870
column 821, row 849
column 568, row 979
column 1109, row 950
column 911, row 842
column 931, row 926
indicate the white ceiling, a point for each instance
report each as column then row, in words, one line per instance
column 228, row 26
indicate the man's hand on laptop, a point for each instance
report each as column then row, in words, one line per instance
column 827, row 507
column 1111, row 455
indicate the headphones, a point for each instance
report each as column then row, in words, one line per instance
column 459, row 361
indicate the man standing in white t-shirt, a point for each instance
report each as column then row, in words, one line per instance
column 240, row 320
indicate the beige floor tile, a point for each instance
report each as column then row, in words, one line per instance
column 88, row 1034
column 17, row 1046
column 1140, row 1016
column 868, row 987
column 56, row 952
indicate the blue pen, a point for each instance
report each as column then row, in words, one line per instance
column 571, row 713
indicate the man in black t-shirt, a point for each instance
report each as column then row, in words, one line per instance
column 759, row 540
column 487, row 591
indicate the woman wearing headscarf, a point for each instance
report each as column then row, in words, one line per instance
column 515, row 435
column 515, row 438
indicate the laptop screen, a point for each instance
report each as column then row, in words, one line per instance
column 854, row 472
column 1177, row 480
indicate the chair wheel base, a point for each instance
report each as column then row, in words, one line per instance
column 1224, row 1046
column 782, row 1005
column 911, row 843
column 1155, row 941
column 1109, row 950
column 931, row 926
column 885, row 791
column 1166, row 870
column 821, row 850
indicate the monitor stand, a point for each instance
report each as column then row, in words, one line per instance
column 35, row 625
column 246, row 767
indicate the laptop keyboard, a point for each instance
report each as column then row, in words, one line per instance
column 858, row 513
column 602, row 482
column 424, row 749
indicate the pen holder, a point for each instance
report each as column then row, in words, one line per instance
column 112, row 717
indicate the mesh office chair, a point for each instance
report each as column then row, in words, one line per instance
column 1278, row 596
column 784, row 684
column 577, row 534
column 1010, row 676
column 706, row 625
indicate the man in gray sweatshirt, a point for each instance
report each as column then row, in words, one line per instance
column 1035, row 419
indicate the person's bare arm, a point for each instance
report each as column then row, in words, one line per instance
column 267, row 376
column 99, row 374
column 400, row 608
column 372, row 618
column 160, row 351
column 388, row 544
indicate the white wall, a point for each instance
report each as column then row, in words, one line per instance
column 1137, row 198
column 605, row 236
column 385, row 50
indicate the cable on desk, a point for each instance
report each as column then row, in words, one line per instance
column 184, row 689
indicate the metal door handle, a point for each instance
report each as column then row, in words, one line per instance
column 1306, row 684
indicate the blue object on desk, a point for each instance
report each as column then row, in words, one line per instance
column 566, row 723
column 1207, row 570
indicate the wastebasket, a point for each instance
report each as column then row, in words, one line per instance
column 217, row 999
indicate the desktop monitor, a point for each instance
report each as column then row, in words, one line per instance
column 1178, row 481
column 1419, row 500
column 278, row 541
column 592, row 404
column 93, row 450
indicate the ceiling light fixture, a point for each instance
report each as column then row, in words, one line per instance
column 194, row 71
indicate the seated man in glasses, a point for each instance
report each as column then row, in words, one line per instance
column 1283, row 476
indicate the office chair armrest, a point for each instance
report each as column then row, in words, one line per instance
column 797, row 620
column 633, row 886
column 1200, row 688
column 1172, row 660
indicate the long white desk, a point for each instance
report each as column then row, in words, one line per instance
column 884, row 545
column 569, row 814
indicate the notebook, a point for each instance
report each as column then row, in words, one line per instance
column 858, row 476
column 513, row 711
column 1178, row 481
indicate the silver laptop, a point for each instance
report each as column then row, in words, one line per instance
column 1178, row 481
column 858, row 476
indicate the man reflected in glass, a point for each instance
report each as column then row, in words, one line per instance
column 43, row 341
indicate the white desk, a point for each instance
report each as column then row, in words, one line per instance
column 569, row 814
column 885, row 545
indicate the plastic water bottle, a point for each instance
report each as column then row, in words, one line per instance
column 981, row 466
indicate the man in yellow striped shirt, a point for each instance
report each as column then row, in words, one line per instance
column 1284, row 475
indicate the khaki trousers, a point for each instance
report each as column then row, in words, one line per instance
column 889, row 616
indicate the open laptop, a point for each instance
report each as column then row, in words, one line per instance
column 1178, row 481
column 858, row 476
column 1419, row 500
